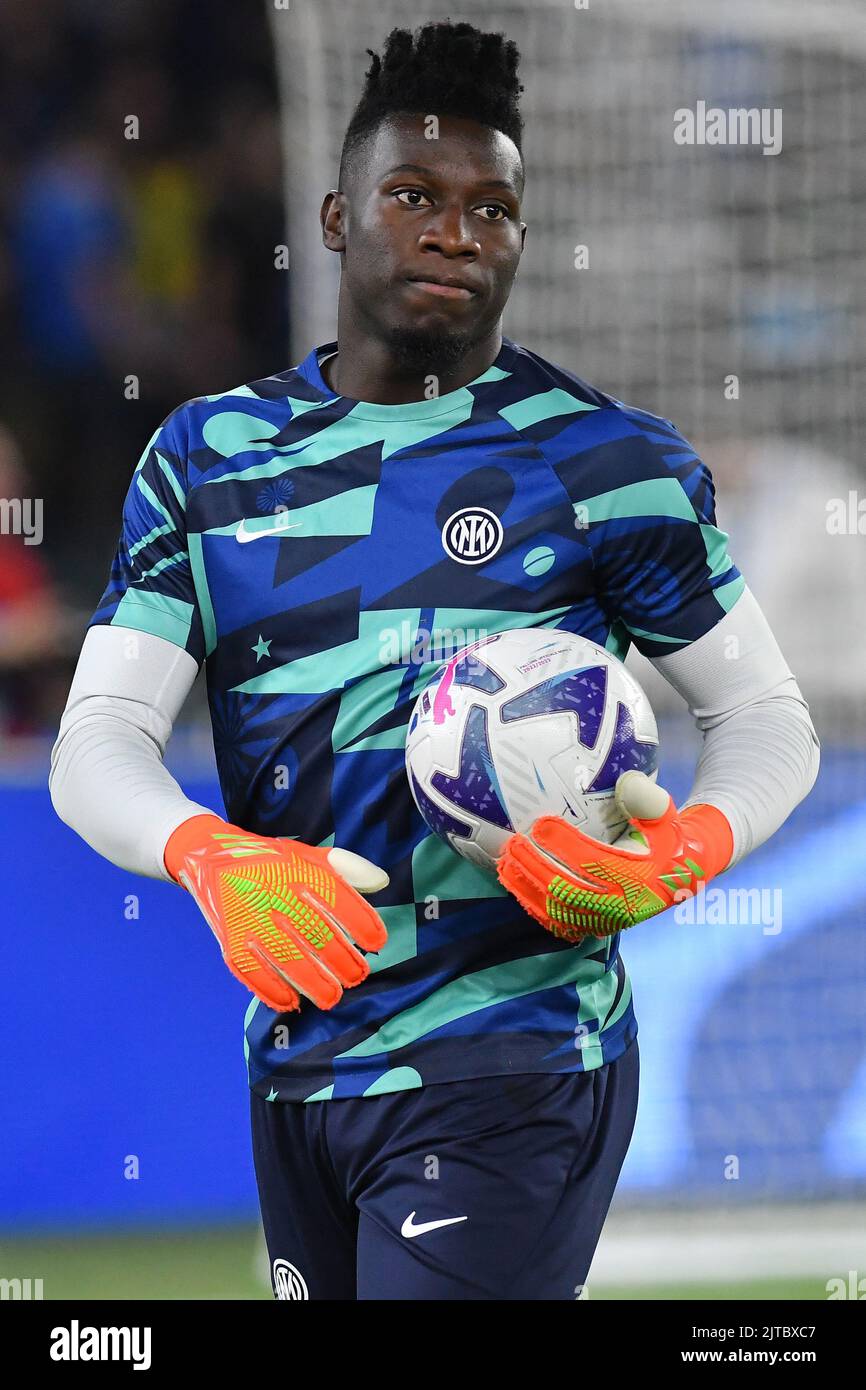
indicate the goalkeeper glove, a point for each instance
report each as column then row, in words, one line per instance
column 576, row 886
column 282, row 912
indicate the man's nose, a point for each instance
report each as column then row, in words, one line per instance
column 450, row 230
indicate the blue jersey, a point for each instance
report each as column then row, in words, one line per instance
column 322, row 556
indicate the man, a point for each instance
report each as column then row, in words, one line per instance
column 446, row 1118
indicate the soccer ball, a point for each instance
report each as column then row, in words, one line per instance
column 526, row 723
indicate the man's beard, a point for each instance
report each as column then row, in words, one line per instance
column 435, row 351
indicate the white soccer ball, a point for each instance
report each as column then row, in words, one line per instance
column 531, row 722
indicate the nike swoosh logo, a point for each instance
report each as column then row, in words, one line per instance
column 242, row 534
column 410, row 1229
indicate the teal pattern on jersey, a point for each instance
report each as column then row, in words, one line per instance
column 323, row 556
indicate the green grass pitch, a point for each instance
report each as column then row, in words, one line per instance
column 227, row 1264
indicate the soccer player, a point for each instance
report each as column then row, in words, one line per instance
column 442, row 1091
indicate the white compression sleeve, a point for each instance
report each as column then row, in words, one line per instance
column 107, row 778
column 760, row 753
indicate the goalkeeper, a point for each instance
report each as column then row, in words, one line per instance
column 409, row 1011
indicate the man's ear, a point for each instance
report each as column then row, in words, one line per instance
column 522, row 236
column 332, row 216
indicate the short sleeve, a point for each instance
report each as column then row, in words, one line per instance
column 151, row 586
column 661, row 563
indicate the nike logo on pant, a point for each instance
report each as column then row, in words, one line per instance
column 410, row 1229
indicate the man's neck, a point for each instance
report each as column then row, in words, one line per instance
column 368, row 373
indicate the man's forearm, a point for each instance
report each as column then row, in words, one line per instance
column 107, row 777
column 760, row 755
column 757, row 766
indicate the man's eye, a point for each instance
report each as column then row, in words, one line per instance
column 403, row 193
column 495, row 207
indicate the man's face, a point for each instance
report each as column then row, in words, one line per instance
column 417, row 213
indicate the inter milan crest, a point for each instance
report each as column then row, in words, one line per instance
column 472, row 535
column 289, row 1283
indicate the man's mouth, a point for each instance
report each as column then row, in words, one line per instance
column 446, row 289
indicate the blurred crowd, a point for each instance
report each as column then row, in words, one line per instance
column 140, row 208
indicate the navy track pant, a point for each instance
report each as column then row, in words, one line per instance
column 495, row 1188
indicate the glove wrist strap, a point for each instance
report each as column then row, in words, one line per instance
column 188, row 836
column 713, row 836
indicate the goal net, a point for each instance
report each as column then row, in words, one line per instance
column 654, row 269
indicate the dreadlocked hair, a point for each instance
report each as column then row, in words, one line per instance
column 444, row 69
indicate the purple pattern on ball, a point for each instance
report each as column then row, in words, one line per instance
column 476, row 787
column 437, row 819
column 472, row 671
column 577, row 692
column 626, row 753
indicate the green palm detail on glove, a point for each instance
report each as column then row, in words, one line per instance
column 261, row 899
column 570, row 906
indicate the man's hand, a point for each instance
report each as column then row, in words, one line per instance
column 576, row 886
column 282, row 912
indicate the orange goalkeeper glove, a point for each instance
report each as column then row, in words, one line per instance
column 576, row 886
column 285, row 914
